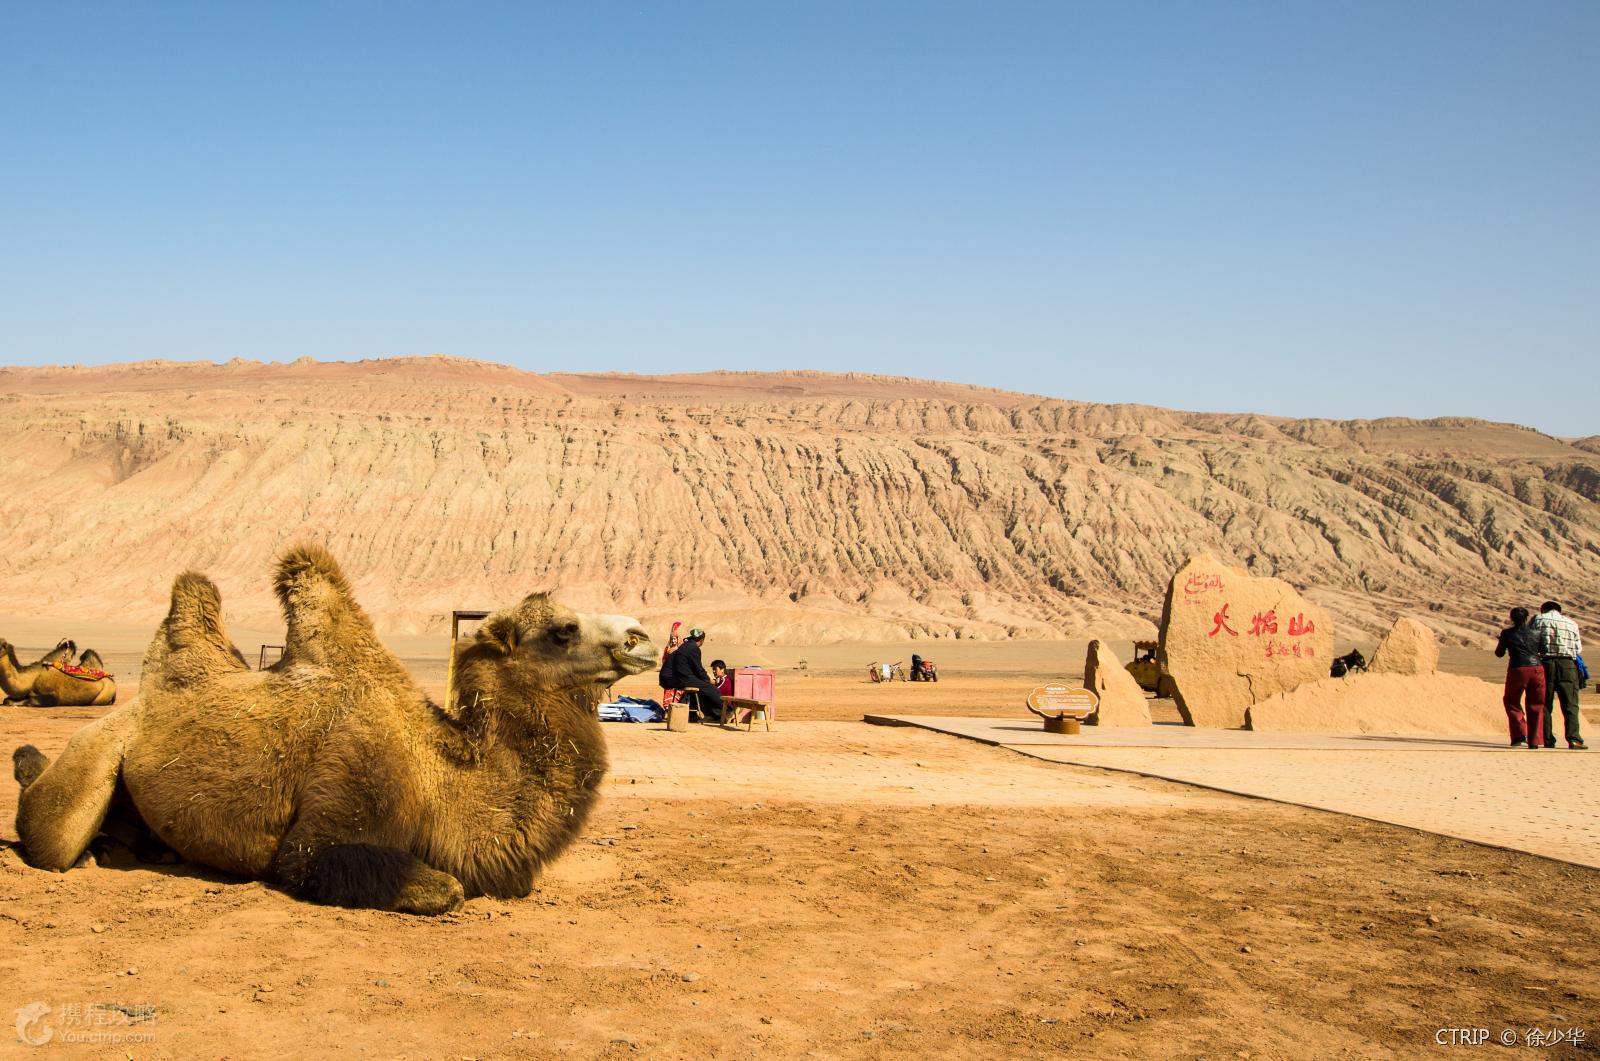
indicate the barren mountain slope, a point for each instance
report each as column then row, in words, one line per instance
column 791, row 506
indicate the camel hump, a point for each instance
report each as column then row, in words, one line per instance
column 191, row 645
column 196, row 603
column 305, row 567
column 326, row 627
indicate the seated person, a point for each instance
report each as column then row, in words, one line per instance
column 916, row 667
column 723, row 677
column 670, row 696
column 683, row 670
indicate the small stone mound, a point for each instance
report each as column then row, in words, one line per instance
column 1409, row 647
column 1436, row 705
column 1122, row 702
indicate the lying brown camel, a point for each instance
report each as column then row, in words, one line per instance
column 331, row 773
column 61, row 684
column 59, row 688
column 17, row 679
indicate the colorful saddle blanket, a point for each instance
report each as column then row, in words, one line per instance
column 72, row 670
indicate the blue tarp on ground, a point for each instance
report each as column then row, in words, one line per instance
column 632, row 709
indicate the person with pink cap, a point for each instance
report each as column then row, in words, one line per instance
column 670, row 696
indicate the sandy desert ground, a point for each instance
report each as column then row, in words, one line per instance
column 871, row 893
column 834, row 889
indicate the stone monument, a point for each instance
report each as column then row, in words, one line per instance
column 1438, row 705
column 1122, row 702
column 1229, row 639
column 1409, row 647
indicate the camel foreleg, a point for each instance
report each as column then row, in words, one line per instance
column 321, row 860
column 63, row 803
column 382, row 878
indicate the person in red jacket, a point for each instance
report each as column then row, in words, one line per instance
column 723, row 677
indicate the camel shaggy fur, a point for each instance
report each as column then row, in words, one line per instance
column 331, row 773
column 18, row 680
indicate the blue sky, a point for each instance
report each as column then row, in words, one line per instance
column 1335, row 209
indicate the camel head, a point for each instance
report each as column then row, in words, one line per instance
column 62, row 653
column 543, row 646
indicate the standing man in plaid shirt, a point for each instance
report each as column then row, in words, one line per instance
column 1559, row 647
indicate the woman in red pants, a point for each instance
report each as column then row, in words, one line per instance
column 1524, row 681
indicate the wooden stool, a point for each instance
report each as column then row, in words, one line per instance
column 736, row 704
column 678, row 712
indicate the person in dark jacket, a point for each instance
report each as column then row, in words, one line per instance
column 1524, row 681
column 684, row 670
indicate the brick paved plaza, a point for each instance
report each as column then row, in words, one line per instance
column 1545, row 802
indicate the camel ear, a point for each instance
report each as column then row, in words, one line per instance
column 502, row 633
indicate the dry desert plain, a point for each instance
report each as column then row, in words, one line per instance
column 834, row 889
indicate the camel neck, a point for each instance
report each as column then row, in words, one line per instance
column 12, row 665
column 11, row 673
column 474, row 721
column 488, row 717
column 481, row 719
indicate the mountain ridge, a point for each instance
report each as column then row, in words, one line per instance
column 795, row 506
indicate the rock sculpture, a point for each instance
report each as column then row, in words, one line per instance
column 1229, row 639
column 1409, row 647
column 1122, row 702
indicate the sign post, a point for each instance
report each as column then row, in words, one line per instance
column 1063, row 707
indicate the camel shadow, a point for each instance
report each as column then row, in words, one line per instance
column 109, row 852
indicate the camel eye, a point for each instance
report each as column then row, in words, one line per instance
column 564, row 633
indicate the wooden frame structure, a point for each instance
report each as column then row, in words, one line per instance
column 456, row 619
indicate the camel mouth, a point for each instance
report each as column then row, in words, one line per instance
column 637, row 653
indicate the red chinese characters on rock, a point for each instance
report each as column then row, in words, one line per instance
column 1264, row 623
column 1282, row 648
column 1221, row 621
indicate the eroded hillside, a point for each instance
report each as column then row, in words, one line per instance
column 794, row 507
